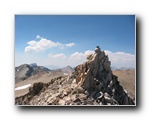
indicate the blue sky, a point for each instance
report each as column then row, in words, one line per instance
column 58, row 39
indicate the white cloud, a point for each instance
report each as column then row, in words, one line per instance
column 38, row 37
column 118, row 59
column 73, row 60
column 70, row 44
column 43, row 44
column 57, row 56
column 121, row 59
column 81, row 55
column 107, row 52
column 77, row 56
column 88, row 52
column 59, row 60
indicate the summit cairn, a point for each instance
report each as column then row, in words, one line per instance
column 96, row 77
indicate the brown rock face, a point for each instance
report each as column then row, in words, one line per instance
column 96, row 77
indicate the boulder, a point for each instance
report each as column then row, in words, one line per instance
column 61, row 102
column 37, row 87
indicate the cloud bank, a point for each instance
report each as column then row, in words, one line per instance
column 121, row 59
column 118, row 59
column 57, row 56
column 43, row 44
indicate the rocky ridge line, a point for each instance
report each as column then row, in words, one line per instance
column 92, row 83
column 95, row 76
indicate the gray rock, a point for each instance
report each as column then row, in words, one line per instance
column 89, row 57
column 102, row 55
column 37, row 87
column 107, row 65
column 61, row 102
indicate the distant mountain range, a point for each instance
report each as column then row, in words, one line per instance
column 66, row 70
column 51, row 67
column 25, row 71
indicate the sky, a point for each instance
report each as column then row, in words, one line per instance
column 62, row 40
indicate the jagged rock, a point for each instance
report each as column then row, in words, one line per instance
column 107, row 65
column 73, row 97
column 101, row 56
column 67, row 98
column 37, row 87
column 89, row 57
column 80, row 89
column 99, row 77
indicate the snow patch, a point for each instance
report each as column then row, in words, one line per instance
column 23, row 87
column 65, row 74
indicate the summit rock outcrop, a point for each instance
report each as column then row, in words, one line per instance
column 96, row 77
column 91, row 83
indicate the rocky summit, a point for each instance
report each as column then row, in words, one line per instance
column 91, row 83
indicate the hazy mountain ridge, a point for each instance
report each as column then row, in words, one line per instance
column 51, row 67
column 25, row 71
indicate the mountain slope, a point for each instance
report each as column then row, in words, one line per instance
column 66, row 70
column 24, row 71
column 127, row 80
